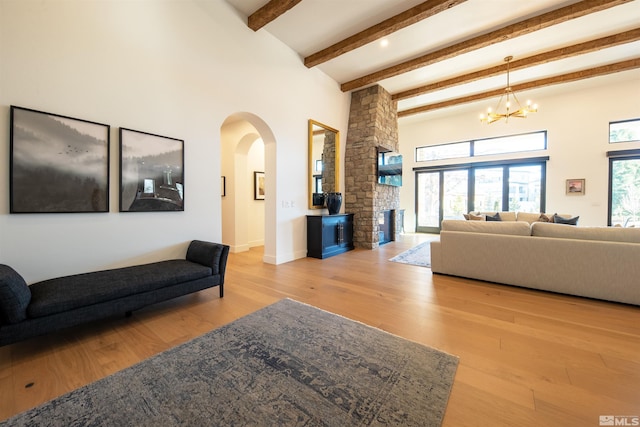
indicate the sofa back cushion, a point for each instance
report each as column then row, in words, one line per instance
column 498, row 227
column 530, row 217
column 609, row 234
column 15, row 296
column 539, row 217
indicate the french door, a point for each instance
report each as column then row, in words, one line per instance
column 440, row 195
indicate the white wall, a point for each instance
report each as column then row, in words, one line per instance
column 255, row 162
column 577, row 125
column 174, row 68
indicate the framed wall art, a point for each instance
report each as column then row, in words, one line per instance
column 151, row 172
column 258, row 185
column 575, row 187
column 58, row 164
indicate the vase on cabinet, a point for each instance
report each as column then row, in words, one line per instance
column 333, row 202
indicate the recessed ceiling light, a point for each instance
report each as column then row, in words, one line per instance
column 384, row 43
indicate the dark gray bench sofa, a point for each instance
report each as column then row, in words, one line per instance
column 54, row 304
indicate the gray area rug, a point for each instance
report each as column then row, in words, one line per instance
column 288, row 364
column 417, row 255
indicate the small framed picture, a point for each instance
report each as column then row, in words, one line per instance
column 223, row 186
column 575, row 187
column 258, row 185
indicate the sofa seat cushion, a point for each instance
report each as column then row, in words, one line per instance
column 70, row 292
column 14, row 296
column 492, row 227
column 609, row 234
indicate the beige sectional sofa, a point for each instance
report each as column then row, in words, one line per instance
column 594, row 262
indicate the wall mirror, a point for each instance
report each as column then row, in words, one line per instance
column 324, row 162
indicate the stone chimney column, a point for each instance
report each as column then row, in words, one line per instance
column 373, row 124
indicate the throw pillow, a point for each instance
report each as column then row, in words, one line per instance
column 495, row 217
column 569, row 221
column 545, row 218
column 15, row 296
column 474, row 217
column 466, row 216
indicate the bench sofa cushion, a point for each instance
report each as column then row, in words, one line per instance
column 206, row 254
column 609, row 234
column 14, row 296
column 70, row 292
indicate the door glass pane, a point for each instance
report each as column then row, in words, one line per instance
column 455, row 194
column 625, row 192
column 525, row 188
column 488, row 190
column 428, row 199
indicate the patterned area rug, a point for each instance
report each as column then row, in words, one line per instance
column 288, row 364
column 417, row 255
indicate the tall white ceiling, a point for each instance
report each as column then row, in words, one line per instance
column 313, row 25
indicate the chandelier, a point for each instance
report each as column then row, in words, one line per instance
column 511, row 110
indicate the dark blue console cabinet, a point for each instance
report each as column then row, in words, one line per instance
column 329, row 235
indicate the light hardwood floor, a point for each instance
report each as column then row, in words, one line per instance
column 527, row 358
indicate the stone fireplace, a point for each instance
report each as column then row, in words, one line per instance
column 373, row 125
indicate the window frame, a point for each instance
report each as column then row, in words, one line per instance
column 471, row 168
column 613, row 157
column 472, row 149
column 637, row 121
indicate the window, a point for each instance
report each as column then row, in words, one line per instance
column 447, row 192
column 443, row 151
column 510, row 144
column 624, row 131
column 624, row 188
column 483, row 147
column 488, row 190
column 525, row 188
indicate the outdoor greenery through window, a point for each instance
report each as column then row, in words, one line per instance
column 624, row 131
column 482, row 147
column 624, row 207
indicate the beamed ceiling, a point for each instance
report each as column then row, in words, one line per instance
column 441, row 54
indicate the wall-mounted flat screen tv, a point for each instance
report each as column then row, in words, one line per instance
column 389, row 168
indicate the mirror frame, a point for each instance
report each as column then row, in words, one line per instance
column 313, row 123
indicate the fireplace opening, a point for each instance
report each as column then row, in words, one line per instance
column 386, row 227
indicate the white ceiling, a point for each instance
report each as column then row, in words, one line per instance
column 313, row 25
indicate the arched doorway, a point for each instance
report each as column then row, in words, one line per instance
column 247, row 142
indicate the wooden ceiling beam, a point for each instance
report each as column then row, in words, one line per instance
column 564, row 78
column 384, row 28
column 269, row 12
column 508, row 32
column 554, row 55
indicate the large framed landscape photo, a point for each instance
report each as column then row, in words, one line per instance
column 151, row 172
column 59, row 164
